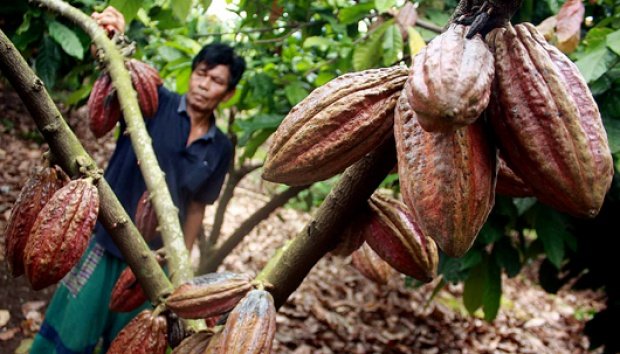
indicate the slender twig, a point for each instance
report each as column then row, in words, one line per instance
column 167, row 213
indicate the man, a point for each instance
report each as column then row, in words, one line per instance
column 194, row 155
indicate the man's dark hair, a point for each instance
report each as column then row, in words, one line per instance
column 219, row 53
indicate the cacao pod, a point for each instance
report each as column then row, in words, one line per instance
column 547, row 123
column 145, row 218
column 251, row 325
column 373, row 267
column 214, row 345
column 145, row 80
column 447, row 179
column 104, row 110
column 509, row 184
column 195, row 344
column 396, row 237
column 37, row 191
column 336, row 125
column 450, row 80
column 60, row 233
column 145, row 334
column 209, row 295
column 176, row 329
column 127, row 294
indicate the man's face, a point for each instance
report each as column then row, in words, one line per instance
column 208, row 87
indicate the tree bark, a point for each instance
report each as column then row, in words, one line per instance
column 177, row 254
column 321, row 234
column 213, row 257
column 69, row 153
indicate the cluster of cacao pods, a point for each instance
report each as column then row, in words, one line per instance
column 50, row 226
column 477, row 116
column 247, row 308
column 104, row 108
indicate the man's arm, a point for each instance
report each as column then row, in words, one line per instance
column 193, row 223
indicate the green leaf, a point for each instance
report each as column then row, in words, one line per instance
column 613, row 42
column 129, row 8
column 594, row 64
column 523, row 204
column 471, row 259
column 205, row 4
column 384, row 5
column 596, row 37
column 612, row 126
column 392, row 45
column 491, row 232
column 416, row 42
column 316, row 41
column 550, row 228
column 48, row 62
column 295, row 92
column 78, row 95
column 181, row 8
column 323, row 78
column 507, row 257
column 261, row 121
column 492, row 292
column 474, row 288
column 67, row 39
column 353, row 14
column 368, row 54
column 255, row 142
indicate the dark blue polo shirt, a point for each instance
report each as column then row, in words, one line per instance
column 193, row 173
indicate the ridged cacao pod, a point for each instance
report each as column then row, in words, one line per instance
column 145, row 218
column 450, row 80
column 447, row 179
column 509, row 184
column 214, row 345
column 145, row 334
column 60, row 233
column 336, row 125
column 195, row 344
column 37, row 191
column 370, row 265
column 176, row 329
column 145, row 80
column 209, row 295
column 547, row 122
column 104, row 109
column 127, row 294
column 251, row 325
column 396, row 237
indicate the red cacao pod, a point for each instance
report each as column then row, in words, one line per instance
column 127, row 294
column 145, row 334
column 145, row 218
column 370, row 265
column 393, row 233
column 209, row 295
column 60, row 233
column 547, row 123
column 447, row 179
column 145, row 80
column 195, row 344
column 37, row 191
column 336, row 125
column 251, row 325
column 104, row 109
column 450, row 80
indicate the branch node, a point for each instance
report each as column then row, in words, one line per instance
column 37, row 85
column 51, row 128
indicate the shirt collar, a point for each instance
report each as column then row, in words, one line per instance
column 182, row 109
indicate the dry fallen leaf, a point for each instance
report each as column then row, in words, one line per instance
column 568, row 27
column 5, row 316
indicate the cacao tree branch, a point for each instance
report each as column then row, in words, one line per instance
column 167, row 214
column 321, row 234
column 212, row 260
column 485, row 14
column 69, row 153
